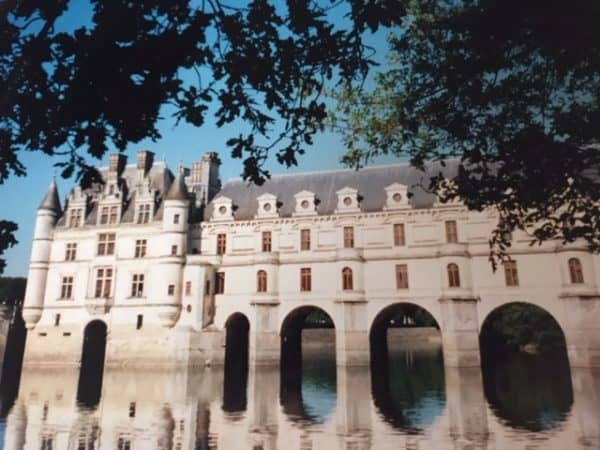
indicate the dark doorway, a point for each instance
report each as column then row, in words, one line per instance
column 407, row 367
column 308, row 365
column 13, row 361
column 236, row 363
column 89, row 388
column 525, row 367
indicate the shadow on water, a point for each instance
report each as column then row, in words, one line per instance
column 531, row 392
column 235, row 397
column 89, row 388
column 409, row 388
column 13, row 362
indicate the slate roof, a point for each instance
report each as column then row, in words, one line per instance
column 370, row 182
column 51, row 200
column 178, row 189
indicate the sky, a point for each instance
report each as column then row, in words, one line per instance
column 20, row 196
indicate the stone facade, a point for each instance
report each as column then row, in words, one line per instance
column 164, row 261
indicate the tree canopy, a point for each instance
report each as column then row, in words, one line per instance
column 12, row 290
column 512, row 90
column 78, row 90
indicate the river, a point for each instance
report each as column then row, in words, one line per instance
column 411, row 402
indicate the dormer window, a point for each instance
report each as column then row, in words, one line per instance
column 144, row 213
column 396, row 197
column 222, row 209
column 348, row 200
column 306, row 204
column 75, row 217
column 108, row 215
column 267, row 206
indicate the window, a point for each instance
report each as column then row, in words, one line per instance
column 401, row 276
column 347, row 279
column 113, row 214
column 305, row 280
column 132, row 404
column 106, row 244
column 66, row 288
column 399, row 238
column 510, row 273
column 173, row 250
column 171, row 289
column 348, row 237
column 221, row 243
column 140, row 248
column 47, row 443
column 75, row 217
column 104, row 215
column 451, row 234
column 575, row 271
column 304, row 239
column 56, row 320
column 138, row 326
column 71, row 252
column 123, row 444
column 188, row 288
column 108, row 215
column 144, row 213
column 266, row 241
column 103, row 282
column 261, row 281
column 137, row 285
column 176, row 219
column 453, row 275
column 220, row 283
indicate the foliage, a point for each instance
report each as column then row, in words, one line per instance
column 12, row 290
column 518, row 324
column 318, row 319
column 103, row 83
column 419, row 316
column 509, row 88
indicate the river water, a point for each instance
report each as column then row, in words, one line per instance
column 412, row 402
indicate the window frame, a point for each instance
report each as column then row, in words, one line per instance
column 402, row 276
column 261, row 281
column 220, row 282
column 348, row 237
column 103, row 282
column 305, row 279
column 305, row 239
column 453, row 272
column 575, row 271
column 106, row 244
column 221, row 243
column 451, row 228
column 143, row 215
column 76, row 217
column 66, row 287
column 267, row 242
column 511, row 274
column 71, row 251
column 399, row 231
column 137, row 285
column 347, row 279
column 140, row 248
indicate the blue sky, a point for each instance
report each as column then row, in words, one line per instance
column 184, row 143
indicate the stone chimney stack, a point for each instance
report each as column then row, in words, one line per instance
column 116, row 163
column 145, row 159
column 204, row 178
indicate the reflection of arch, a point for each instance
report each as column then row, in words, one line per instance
column 92, row 363
column 236, row 363
column 382, row 321
column 308, row 388
column 529, row 391
column 409, row 389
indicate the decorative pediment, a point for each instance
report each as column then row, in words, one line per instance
column 306, row 204
column 396, row 197
column 222, row 209
column 267, row 206
column 348, row 200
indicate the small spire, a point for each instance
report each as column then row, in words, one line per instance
column 178, row 189
column 51, row 201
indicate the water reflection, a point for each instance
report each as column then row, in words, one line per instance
column 531, row 392
column 409, row 390
column 333, row 407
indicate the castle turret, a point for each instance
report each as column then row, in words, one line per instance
column 173, row 248
column 47, row 215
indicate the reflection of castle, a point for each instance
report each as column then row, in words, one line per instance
column 162, row 262
column 183, row 410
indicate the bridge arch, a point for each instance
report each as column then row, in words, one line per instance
column 237, row 340
column 93, row 351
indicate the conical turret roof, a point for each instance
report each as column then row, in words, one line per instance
column 178, row 189
column 51, row 201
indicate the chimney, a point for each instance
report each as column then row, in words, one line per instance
column 145, row 159
column 116, row 163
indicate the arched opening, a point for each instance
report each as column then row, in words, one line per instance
column 407, row 367
column 236, row 363
column 91, row 371
column 308, row 365
column 526, row 374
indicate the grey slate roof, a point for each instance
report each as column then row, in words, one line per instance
column 51, row 201
column 178, row 189
column 369, row 181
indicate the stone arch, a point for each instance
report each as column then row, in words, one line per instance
column 539, row 395
column 380, row 324
column 237, row 340
column 93, row 352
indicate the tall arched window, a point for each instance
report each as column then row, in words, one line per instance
column 575, row 270
column 261, row 281
column 453, row 275
column 347, row 281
